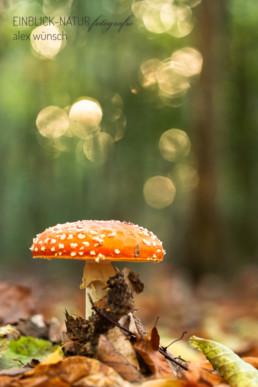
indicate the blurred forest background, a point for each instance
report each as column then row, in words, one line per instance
column 171, row 145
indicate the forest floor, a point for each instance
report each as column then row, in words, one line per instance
column 216, row 309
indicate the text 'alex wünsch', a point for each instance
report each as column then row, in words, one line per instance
column 41, row 36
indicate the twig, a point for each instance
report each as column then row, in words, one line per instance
column 162, row 351
column 180, row 358
column 156, row 322
column 172, row 359
column 180, row 338
column 116, row 269
column 21, row 362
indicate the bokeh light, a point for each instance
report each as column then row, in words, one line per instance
column 164, row 16
column 186, row 177
column 44, row 41
column 152, row 21
column 52, row 122
column 85, row 117
column 172, row 77
column 83, row 120
column 174, row 143
column 167, row 16
column 171, row 83
column 148, row 72
column 159, row 192
column 97, row 148
column 190, row 60
column 183, row 21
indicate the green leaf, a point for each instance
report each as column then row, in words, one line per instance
column 22, row 351
column 235, row 371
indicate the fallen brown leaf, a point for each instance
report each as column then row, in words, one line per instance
column 110, row 356
column 202, row 372
column 155, row 339
column 53, row 357
column 151, row 356
column 73, row 371
column 5, row 381
column 123, row 345
column 133, row 323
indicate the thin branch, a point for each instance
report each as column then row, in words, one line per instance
column 170, row 358
column 115, row 268
column 180, row 338
column 21, row 362
column 181, row 359
column 157, row 319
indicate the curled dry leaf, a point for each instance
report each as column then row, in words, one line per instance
column 123, row 345
column 148, row 351
column 232, row 368
column 133, row 324
column 111, row 356
column 155, row 339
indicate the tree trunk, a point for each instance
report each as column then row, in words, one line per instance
column 203, row 247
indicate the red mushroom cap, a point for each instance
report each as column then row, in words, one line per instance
column 99, row 240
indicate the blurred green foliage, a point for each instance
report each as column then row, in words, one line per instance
column 43, row 184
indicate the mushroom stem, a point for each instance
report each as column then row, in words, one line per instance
column 95, row 276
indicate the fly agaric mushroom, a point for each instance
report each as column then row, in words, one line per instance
column 98, row 243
